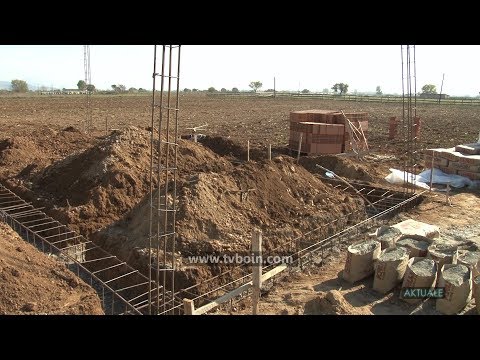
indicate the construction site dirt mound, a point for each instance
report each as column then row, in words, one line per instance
column 102, row 192
column 95, row 187
column 24, row 155
column 333, row 303
column 218, row 210
column 227, row 147
column 33, row 283
column 341, row 166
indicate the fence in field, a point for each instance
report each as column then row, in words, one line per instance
column 358, row 98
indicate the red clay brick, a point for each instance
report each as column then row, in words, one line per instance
column 437, row 161
column 468, row 149
column 447, row 170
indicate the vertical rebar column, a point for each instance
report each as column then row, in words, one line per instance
column 163, row 178
column 88, row 81
column 409, row 112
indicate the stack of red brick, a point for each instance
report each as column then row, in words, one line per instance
column 461, row 160
column 323, row 131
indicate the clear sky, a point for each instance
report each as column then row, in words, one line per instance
column 295, row 67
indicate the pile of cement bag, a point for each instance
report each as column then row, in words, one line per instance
column 407, row 254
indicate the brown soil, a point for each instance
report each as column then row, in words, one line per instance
column 33, row 283
column 333, row 303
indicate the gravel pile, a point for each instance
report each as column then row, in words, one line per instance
column 394, row 254
column 456, row 275
column 424, row 267
column 413, row 243
column 364, row 247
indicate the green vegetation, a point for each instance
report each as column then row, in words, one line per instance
column 255, row 85
column 429, row 89
column 19, row 86
column 82, row 85
column 343, row 88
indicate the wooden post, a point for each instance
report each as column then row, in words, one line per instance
column 256, row 268
column 431, row 171
column 188, row 307
column 194, row 137
column 447, row 195
column 299, row 147
column 248, row 150
column 269, row 151
column 106, row 125
column 274, row 89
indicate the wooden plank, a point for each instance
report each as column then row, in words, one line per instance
column 223, row 299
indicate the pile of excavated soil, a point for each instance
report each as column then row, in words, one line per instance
column 284, row 201
column 341, row 166
column 364, row 247
column 93, row 188
column 24, row 155
column 333, row 303
column 456, row 275
column 424, row 267
column 103, row 193
column 33, row 283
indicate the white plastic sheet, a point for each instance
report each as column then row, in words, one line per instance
column 422, row 180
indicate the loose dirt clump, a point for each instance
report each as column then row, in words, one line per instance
column 33, row 283
column 333, row 303
column 343, row 167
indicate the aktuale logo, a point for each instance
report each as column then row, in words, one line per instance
column 422, row 293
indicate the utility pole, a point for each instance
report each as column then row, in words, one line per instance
column 274, row 90
column 441, row 88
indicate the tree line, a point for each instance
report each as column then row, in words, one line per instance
column 21, row 86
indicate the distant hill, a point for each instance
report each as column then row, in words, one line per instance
column 5, row 85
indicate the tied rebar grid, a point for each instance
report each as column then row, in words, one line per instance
column 409, row 114
column 88, row 82
column 163, row 180
column 121, row 288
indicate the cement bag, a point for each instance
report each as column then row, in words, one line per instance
column 360, row 258
column 470, row 259
column 457, row 281
column 412, row 227
column 477, row 293
column 443, row 255
column 387, row 236
column 389, row 269
column 420, row 273
column 416, row 245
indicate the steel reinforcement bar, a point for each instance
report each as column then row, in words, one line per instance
column 121, row 288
